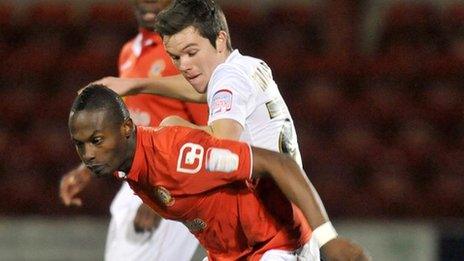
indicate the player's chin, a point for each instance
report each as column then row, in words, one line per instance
column 200, row 88
column 149, row 26
column 101, row 173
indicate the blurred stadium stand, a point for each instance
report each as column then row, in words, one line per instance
column 381, row 126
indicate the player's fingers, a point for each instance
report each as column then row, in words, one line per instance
column 141, row 225
column 68, row 194
column 67, row 199
column 147, row 225
column 76, row 202
column 138, row 227
column 97, row 82
column 64, row 194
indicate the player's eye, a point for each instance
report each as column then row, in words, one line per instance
column 175, row 57
column 97, row 140
column 192, row 53
column 78, row 144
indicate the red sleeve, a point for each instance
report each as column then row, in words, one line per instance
column 198, row 162
column 198, row 113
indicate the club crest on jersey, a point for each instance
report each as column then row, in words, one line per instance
column 196, row 225
column 163, row 196
column 157, row 68
column 221, row 102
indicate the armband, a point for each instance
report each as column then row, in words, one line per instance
column 221, row 160
column 324, row 233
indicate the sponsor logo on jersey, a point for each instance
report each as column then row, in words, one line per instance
column 196, row 225
column 222, row 101
column 190, row 158
column 139, row 117
column 163, row 196
column 157, row 68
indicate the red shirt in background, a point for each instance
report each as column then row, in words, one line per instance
column 229, row 218
column 145, row 56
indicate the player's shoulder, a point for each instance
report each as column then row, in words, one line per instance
column 126, row 51
column 171, row 137
column 127, row 46
column 237, row 65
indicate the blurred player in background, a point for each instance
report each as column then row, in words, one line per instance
column 187, row 175
column 136, row 232
column 244, row 101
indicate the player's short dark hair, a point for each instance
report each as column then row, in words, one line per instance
column 204, row 15
column 97, row 97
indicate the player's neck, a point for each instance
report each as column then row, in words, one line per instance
column 131, row 146
column 222, row 57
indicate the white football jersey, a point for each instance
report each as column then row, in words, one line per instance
column 242, row 89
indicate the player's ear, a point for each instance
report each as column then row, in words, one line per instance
column 221, row 41
column 128, row 127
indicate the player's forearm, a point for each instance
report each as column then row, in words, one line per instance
column 292, row 180
column 171, row 86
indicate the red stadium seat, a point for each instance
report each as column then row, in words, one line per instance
column 299, row 15
column 6, row 14
column 49, row 13
column 453, row 15
column 110, row 13
column 242, row 16
column 403, row 14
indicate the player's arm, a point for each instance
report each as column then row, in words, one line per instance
column 72, row 183
column 176, row 87
column 223, row 128
column 293, row 182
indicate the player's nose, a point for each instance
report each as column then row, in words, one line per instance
column 184, row 64
column 88, row 154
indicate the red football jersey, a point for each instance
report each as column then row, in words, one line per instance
column 145, row 56
column 173, row 171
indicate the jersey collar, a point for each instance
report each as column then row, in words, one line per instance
column 145, row 38
column 232, row 55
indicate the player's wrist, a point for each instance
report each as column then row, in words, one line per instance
column 324, row 233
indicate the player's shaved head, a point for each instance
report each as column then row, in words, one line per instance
column 100, row 98
column 102, row 131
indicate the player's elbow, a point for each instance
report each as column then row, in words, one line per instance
column 269, row 163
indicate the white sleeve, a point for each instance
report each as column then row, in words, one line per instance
column 230, row 95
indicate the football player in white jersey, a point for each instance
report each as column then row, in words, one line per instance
column 244, row 101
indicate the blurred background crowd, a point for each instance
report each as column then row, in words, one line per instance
column 377, row 102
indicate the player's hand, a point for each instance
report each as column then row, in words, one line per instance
column 340, row 249
column 122, row 86
column 146, row 219
column 72, row 183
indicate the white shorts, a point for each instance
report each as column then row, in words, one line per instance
column 308, row 252
column 170, row 241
